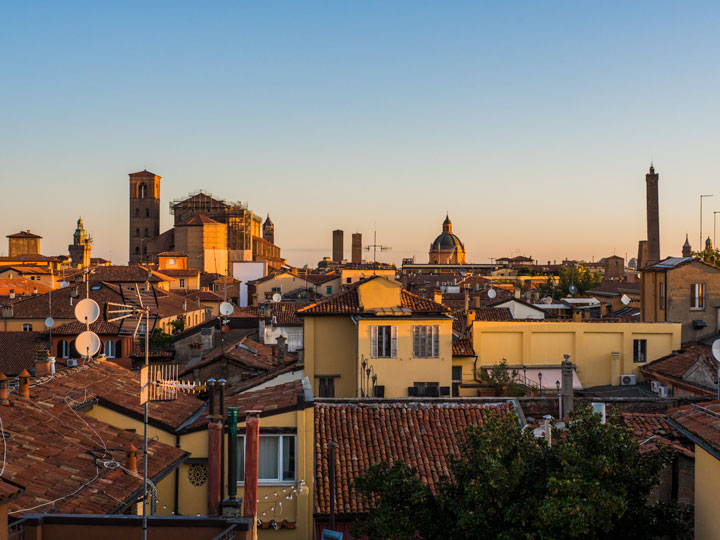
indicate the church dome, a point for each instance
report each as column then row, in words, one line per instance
column 447, row 241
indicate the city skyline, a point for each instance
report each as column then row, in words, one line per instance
column 532, row 127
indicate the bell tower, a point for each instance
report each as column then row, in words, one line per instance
column 269, row 230
column 144, row 214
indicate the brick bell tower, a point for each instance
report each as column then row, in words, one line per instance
column 144, row 214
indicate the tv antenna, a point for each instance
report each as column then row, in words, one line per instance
column 375, row 246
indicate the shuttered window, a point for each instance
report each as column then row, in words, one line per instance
column 384, row 341
column 426, row 341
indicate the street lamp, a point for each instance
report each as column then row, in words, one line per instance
column 701, row 238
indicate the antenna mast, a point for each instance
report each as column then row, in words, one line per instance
column 375, row 246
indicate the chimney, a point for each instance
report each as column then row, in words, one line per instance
column 7, row 312
column 24, row 390
column 252, row 439
column 280, row 349
column 470, row 317
column 12, row 294
column 267, row 314
column 34, row 291
column 467, row 299
column 4, row 400
column 131, row 460
column 616, row 368
column 653, row 219
column 516, row 292
column 437, row 296
column 566, row 386
column 577, row 315
column 44, row 363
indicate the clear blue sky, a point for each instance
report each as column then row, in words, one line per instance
column 532, row 123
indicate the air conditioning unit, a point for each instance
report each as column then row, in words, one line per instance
column 71, row 362
column 627, row 380
column 664, row 391
column 654, row 386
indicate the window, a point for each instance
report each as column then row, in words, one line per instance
column 326, row 387
column 171, row 262
column 426, row 341
column 27, row 327
column 145, row 233
column 277, row 458
column 662, row 295
column 63, row 349
column 348, row 280
column 109, row 349
column 137, row 233
column 137, row 250
column 142, row 191
column 137, row 212
column 697, row 296
column 118, row 348
column 147, row 212
column 639, row 351
column 275, row 289
column 456, row 380
column 384, row 341
column 182, row 283
column 328, row 290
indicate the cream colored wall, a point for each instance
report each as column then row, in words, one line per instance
column 707, row 493
column 38, row 325
column 357, row 275
column 396, row 374
column 379, row 293
column 467, row 363
column 590, row 345
column 286, row 281
column 330, row 349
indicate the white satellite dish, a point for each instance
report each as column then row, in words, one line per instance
column 49, row 322
column 63, row 284
column 87, row 343
column 625, row 299
column 492, row 293
column 572, row 289
column 226, row 308
column 716, row 349
column 87, row 311
column 546, row 300
column 276, row 297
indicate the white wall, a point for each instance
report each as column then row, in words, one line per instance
column 244, row 272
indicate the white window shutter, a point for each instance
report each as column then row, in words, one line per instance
column 393, row 353
column 436, row 341
column 374, row 340
column 416, row 344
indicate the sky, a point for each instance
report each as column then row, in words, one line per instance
column 531, row 123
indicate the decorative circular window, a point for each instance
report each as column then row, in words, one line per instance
column 197, row 474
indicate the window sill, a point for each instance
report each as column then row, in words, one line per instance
column 267, row 483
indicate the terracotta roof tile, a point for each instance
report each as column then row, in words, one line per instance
column 462, row 347
column 701, row 421
column 655, row 427
column 17, row 350
column 493, row 314
column 74, row 328
column 421, row 433
column 23, row 234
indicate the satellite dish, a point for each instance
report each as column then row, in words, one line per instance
column 492, row 293
column 547, row 300
column 716, row 349
column 49, row 322
column 87, row 311
column 87, row 343
column 625, row 299
column 226, row 308
column 572, row 289
column 276, row 297
column 63, row 284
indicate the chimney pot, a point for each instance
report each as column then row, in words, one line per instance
column 24, row 384
column 4, row 400
column 131, row 461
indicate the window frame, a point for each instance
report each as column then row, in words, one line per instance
column 640, row 351
column 375, row 332
column 109, row 344
column 662, row 295
column 697, row 301
column 268, row 481
column 27, row 327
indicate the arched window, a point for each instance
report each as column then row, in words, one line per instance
column 137, row 250
column 63, row 349
column 145, row 233
column 137, row 212
column 144, row 250
column 118, row 348
column 147, row 212
column 142, row 191
column 137, row 233
column 73, row 350
column 109, row 349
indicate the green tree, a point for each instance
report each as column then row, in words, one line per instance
column 592, row 483
column 579, row 276
column 710, row 256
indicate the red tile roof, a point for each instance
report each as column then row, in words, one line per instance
column 65, row 459
column 462, row 347
column 21, row 286
column 241, row 352
column 74, row 328
column 124, row 274
column 180, row 272
column 17, row 350
column 23, row 234
column 655, row 427
column 700, row 422
column 348, row 303
column 198, row 220
column 421, row 433
column 493, row 314
column 119, row 388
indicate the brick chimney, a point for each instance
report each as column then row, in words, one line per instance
column 437, row 296
column 7, row 312
column 252, row 458
column 4, row 400
column 24, row 390
column 12, row 294
column 44, row 363
column 280, row 349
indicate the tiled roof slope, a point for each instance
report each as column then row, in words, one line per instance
column 17, row 350
column 674, row 365
column 655, row 427
column 493, row 314
column 347, row 303
column 462, row 347
column 58, row 456
column 420, row 433
column 74, row 328
column 119, row 388
column 124, row 274
column 700, row 422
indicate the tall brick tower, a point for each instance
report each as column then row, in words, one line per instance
column 269, row 230
column 653, row 217
column 144, row 213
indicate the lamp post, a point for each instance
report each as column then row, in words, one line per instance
column 701, row 201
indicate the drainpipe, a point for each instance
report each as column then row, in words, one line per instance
column 221, row 419
column 567, row 386
column 232, row 453
column 177, row 479
column 214, row 449
column 252, row 440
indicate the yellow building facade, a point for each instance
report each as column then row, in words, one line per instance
column 377, row 339
column 601, row 351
